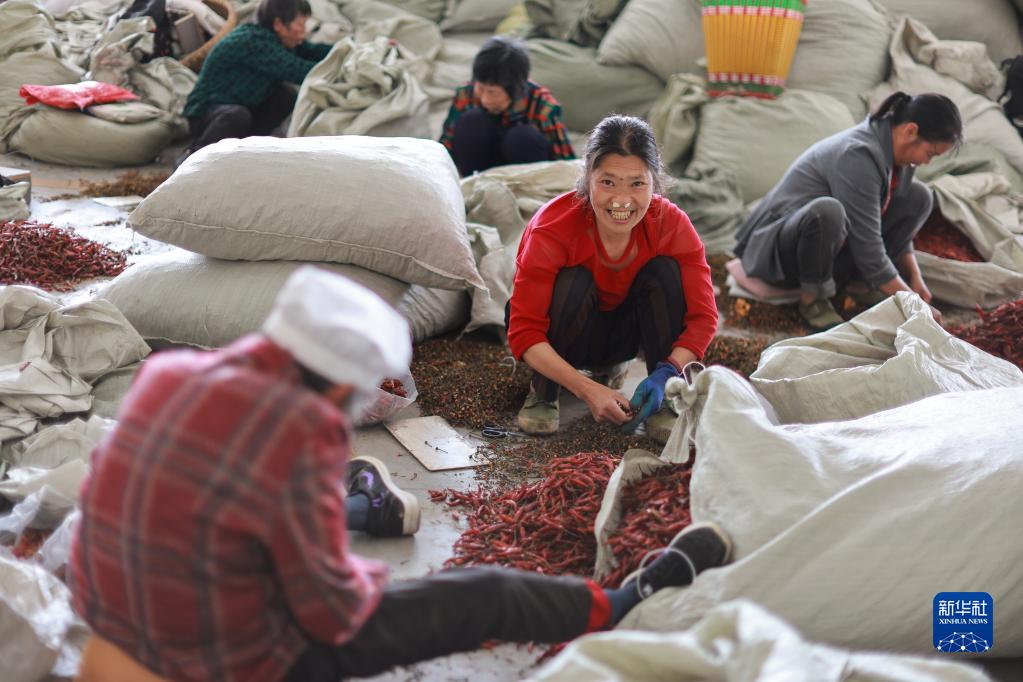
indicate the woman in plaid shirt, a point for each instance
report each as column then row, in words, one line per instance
column 501, row 116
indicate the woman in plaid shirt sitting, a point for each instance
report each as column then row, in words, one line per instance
column 501, row 116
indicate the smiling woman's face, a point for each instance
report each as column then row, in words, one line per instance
column 621, row 189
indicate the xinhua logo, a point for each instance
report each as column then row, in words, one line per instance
column 964, row 622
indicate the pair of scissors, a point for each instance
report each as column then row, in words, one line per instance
column 494, row 431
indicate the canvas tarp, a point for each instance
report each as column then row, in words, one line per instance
column 49, row 354
column 499, row 203
column 736, row 642
column 780, row 490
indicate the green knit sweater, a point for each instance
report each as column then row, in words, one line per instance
column 246, row 65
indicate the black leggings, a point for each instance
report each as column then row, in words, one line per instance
column 480, row 143
column 222, row 121
column 650, row 318
column 451, row 612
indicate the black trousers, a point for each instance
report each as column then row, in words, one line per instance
column 650, row 318
column 481, row 143
column 451, row 612
column 222, row 121
column 812, row 241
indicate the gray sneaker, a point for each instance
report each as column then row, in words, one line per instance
column 392, row 511
column 538, row 417
column 690, row 553
column 659, row 424
column 612, row 376
column 820, row 315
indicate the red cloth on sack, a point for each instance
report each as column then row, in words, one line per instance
column 75, row 95
column 562, row 234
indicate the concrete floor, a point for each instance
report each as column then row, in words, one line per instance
column 409, row 557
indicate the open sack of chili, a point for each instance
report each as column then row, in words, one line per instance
column 548, row 526
column 999, row 332
column 50, row 258
column 942, row 238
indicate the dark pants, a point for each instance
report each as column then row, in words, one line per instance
column 451, row 612
column 222, row 121
column 812, row 243
column 481, row 143
column 580, row 332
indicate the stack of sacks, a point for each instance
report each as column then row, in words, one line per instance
column 991, row 22
column 387, row 212
column 841, row 50
column 108, row 135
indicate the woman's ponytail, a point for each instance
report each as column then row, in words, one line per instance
column 936, row 117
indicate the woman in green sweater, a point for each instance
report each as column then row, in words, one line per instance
column 241, row 91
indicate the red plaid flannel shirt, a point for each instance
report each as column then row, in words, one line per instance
column 536, row 106
column 212, row 543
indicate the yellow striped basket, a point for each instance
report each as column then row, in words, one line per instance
column 750, row 44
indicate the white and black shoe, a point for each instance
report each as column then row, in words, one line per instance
column 694, row 550
column 393, row 512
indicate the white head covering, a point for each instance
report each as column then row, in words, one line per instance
column 340, row 330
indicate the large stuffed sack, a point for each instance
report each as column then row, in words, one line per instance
column 587, row 90
column 781, row 490
column 24, row 26
column 78, row 139
column 218, row 301
column 991, row 22
column 477, row 15
column 986, row 209
column 428, row 9
column 757, row 140
column 583, row 22
column 663, row 36
column 736, row 641
column 391, row 205
column 841, row 49
column 984, row 121
column 891, row 355
column 362, row 89
column 42, row 66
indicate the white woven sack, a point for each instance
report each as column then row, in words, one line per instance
column 992, row 22
column 663, row 36
column 848, row 529
column 477, row 15
column 391, row 205
column 756, row 140
column 218, row 301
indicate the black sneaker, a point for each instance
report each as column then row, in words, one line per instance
column 392, row 511
column 691, row 552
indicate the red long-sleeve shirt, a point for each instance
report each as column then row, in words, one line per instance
column 212, row 544
column 563, row 234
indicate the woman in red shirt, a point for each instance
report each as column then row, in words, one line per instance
column 602, row 272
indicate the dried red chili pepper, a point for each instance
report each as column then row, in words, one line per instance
column 395, row 387
column 999, row 332
column 942, row 238
column 30, row 542
column 50, row 258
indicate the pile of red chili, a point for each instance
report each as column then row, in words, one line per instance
column 547, row 526
column 30, row 542
column 941, row 238
column 394, row 387
column 50, row 258
column 999, row 332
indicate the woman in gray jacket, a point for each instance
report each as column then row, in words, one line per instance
column 847, row 209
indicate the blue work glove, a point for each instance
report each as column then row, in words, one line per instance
column 649, row 394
